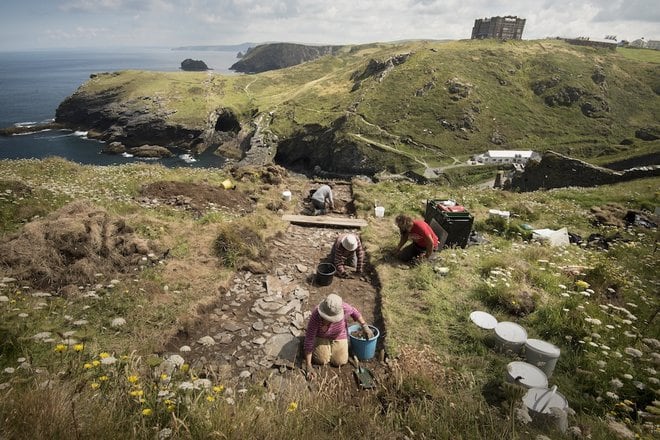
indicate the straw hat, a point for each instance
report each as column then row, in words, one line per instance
column 331, row 308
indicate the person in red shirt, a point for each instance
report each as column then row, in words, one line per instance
column 424, row 240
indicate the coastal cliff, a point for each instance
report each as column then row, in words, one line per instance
column 414, row 106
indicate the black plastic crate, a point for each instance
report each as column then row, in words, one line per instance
column 455, row 226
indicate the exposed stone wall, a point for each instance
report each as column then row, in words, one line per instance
column 558, row 171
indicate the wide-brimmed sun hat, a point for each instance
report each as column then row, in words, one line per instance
column 331, row 308
column 349, row 242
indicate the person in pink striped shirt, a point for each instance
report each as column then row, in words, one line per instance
column 348, row 251
column 326, row 339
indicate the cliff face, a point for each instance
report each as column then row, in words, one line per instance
column 280, row 55
column 555, row 170
column 129, row 122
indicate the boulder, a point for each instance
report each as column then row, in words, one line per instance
column 191, row 65
column 150, row 151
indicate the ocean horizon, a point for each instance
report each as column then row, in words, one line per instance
column 33, row 83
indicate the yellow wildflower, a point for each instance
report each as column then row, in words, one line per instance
column 218, row 388
column 292, row 407
column 104, row 355
column 94, row 385
column 171, row 408
column 210, row 398
column 147, row 412
column 96, row 363
column 59, row 348
column 185, row 367
column 78, row 347
column 133, row 378
column 136, row 393
column 103, row 378
column 580, row 284
column 163, row 376
column 87, row 366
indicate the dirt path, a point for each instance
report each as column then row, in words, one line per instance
column 257, row 324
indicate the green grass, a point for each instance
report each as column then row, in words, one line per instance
column 446, row 381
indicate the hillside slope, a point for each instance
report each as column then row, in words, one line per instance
column 391, row 106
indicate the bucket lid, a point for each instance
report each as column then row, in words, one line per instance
column 527, row 374
column 540, row 400
column 543, row 347
column 483, row 319
column 511, row 332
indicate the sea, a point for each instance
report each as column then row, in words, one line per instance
column 33, row 83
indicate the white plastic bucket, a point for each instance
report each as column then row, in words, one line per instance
column 542, row 354
column 483, row 320
column 286, row 195
column 526, row 374
column 379, row 211
column 510, row 336
column 540, row 400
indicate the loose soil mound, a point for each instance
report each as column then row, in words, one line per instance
column 70, row 246
column 197, row 196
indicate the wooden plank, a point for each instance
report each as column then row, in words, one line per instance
column 325, row 220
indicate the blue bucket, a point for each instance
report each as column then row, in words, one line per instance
column 364, row 349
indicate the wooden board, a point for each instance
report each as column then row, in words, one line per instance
column 325, row 220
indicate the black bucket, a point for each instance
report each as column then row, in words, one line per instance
column 324, row 274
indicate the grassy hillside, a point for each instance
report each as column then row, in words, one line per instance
column 599, row 305
column 446, row 100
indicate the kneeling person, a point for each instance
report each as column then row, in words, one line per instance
column 326, row 338
column 347, row 251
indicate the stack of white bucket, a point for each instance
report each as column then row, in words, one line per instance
column 545, row 405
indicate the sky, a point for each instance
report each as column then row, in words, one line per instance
column 44, row 24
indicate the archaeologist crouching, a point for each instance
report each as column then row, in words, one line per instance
column 326, row 338
column 424, row 240
column 347, row 251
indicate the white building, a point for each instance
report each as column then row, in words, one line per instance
column 506, row 156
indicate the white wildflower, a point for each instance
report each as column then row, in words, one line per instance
column 202, row 383
column 177, row 360
column 627, row 376
column 633, row 352
column 616, row 383
column 109, row 360
column 650, row 371
column 651, row 342
column 118, row 322
column 601, row 364
column 654, row 380
column 612, row 395
column 186, row 386
column 206, row 340
column 9, row 370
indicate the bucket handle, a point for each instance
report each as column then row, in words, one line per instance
column 553, row 390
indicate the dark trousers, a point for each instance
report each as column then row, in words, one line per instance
column 410, row 252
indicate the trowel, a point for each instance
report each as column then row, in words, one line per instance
column 363, row 376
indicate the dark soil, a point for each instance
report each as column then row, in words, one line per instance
column 198, row 196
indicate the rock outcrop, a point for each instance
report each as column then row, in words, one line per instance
column 555, row 170
column 191, row 65
column 280, row 55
